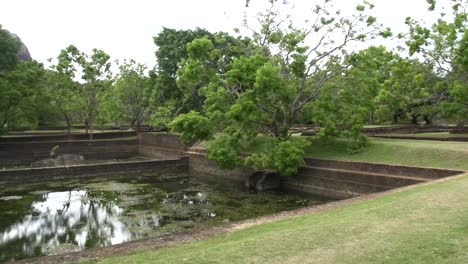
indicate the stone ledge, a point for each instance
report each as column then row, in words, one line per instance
column 35, row 174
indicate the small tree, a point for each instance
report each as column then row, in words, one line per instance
column 93, row 74
column 63, row 92
column 130, row 94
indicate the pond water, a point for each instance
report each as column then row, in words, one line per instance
column 55, row 217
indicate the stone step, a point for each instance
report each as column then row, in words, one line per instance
column 343, row 185
column 378, row 179
column 385, row 169
column 319, row 191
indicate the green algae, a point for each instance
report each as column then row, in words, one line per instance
column 67, row 215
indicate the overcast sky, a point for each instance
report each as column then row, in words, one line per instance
column 124, row 28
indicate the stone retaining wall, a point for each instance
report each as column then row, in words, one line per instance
column 404, row 129
column 201, row 167
column 28, row 152
column 36, row 174
column 329, row 178
column 160, row 145
column 345, row 179
column 396, row 170
column 451, row 138
column 62, row 137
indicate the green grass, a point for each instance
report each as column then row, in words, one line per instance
column 426, row 224
column 434, row 134
column 424, row 153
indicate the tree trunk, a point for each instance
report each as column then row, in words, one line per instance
column 395, row 118
column 138, row 125
column 414, row 119
column 86, row 127
column 372, row 118
column 68, row 126
column 91, row 128
column 427, row 120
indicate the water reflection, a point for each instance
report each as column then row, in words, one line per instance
column 72, row 217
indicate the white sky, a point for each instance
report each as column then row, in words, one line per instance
column 124, row 28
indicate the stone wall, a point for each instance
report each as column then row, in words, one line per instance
column 201, row 167
column 62, row 137
column 328, row 178
column 160, row 145
column 345, row 179
column 28, row 152
column 404, row 129
column 36, row 174
column 451, row 138
column 396, row 170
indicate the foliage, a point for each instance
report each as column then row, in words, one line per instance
column 266, row 90
column 444, row 46
column 187, row 61
column 225, row 150
column 411, row 91
column 193, row 127
column 285, row 157
column 172, row 49
column 9, row 47
column 63, row 91
column 22, row 96
column 129, row 97
column 93, row 74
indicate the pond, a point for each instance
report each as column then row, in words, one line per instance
column 48, row 218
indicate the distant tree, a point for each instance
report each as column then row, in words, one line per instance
column 367, row 70
column 9, row 47
column 92, row 72
column 172, row 49
column 64, row 92
column 177, row 87
column 411, row 92
column 131, row 93
column 444, row 45
column 21, row 92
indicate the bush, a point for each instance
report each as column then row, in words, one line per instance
column 192, row 127
column 285, row 158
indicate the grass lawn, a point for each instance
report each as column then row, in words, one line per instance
column 433, row 134
column 426, row 224
column 424, row 153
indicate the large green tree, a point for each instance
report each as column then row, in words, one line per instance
column 266, row 91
